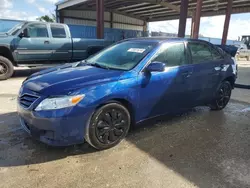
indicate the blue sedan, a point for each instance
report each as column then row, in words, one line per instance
column 100, row 98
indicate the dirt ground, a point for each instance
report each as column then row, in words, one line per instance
column 199, row 148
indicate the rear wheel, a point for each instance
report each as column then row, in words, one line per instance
column 108, row 126
column 222, row 96
column 6, row 68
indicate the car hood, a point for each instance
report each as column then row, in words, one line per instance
column 63, row 79
column 7, row 39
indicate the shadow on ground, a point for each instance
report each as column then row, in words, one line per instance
column 210, row 149
column 18, row 148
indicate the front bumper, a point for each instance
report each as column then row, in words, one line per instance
column 58, row 127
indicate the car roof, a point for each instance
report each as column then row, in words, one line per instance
column 164, row 39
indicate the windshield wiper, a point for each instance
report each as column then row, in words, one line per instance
column 98, row 65
column 83, row 62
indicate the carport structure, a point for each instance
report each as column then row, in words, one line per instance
column 158, row 10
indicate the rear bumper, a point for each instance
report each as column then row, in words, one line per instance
column 65, row 129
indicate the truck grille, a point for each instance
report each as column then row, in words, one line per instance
column 27, row 100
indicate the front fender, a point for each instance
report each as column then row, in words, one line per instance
column 101, row 94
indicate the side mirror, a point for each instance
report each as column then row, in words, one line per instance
column 24, row 33
column 21, row 35
column 156, row 67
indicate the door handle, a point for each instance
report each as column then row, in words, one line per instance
column 46, row 42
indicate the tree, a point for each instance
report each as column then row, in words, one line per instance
column 47, row 18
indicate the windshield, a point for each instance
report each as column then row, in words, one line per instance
column 15, row 29
column 122, row 56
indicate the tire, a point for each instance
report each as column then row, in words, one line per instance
column 108, row 126
column 223, row 95
column 6, row 68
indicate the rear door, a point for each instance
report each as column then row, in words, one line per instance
column 61, row 44
column 34, row 48
column 206, row 70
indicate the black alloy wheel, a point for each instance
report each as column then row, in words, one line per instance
column 222, row 97
column 108, row 126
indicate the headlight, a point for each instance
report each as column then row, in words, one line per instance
column 59, row 102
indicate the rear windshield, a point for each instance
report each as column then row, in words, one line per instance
column 123, row 56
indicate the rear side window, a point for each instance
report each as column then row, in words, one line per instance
column 200, row 52
column 215, row 54
column 172, row 55
column 58, row 31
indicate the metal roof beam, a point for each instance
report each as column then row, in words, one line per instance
column 168, row 5
column 70, row 3
column 153, row 10
column 157, row 13
column 163, row 18
column 119, row 4
column 132, row 6
column 223, row 9
column 142, row 8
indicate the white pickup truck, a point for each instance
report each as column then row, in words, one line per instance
column 243, row 52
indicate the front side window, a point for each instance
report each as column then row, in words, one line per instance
column 122, row 56
column 200, row 52
column 58, row 31
column 37, row 31
column 16, row 28
column 171, row 55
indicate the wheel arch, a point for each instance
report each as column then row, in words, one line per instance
column 231, row 80
column 126, row 103
column 6, row 52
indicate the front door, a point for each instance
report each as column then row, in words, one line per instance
column 34, row 47
column 168, row 91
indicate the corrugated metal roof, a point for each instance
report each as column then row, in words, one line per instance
column 156, row 10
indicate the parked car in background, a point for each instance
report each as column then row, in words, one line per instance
column 243, row 48
column 243, row 52
column 99, row 99
column 36, row 44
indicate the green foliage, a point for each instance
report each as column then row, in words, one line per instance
column 47, row 18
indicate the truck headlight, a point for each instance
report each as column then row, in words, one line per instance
column 59, row 102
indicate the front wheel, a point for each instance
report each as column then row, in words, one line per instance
column 108, row 126
column 6, row 68
column 222, row 96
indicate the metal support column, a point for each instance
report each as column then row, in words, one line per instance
column 192, row 25
column 226, row 23
column 183, row 18
column 111, row 20
column 197, row 19
column 100, row 19
column 59, row 16
column 145, row 26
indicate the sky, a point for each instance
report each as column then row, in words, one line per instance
column 210, row 26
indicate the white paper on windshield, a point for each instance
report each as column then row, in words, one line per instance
column 137, row 50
